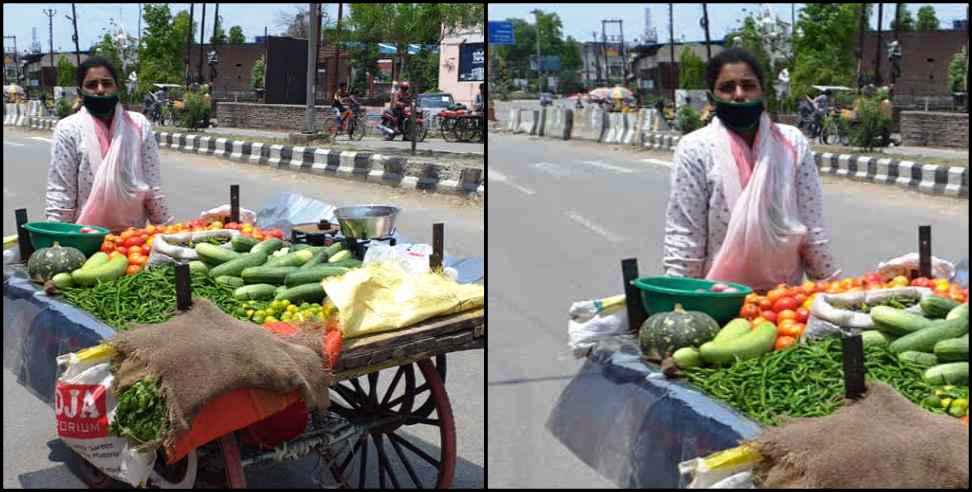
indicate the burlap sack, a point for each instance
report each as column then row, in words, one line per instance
column 880, row 441
column 203, row 353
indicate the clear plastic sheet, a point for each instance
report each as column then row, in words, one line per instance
column 37, row 328
column 623, row 418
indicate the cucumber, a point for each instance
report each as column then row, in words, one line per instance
column 243, row 244
column 255, row 292
column 267, row 246
column 953, row 349
column 687, row 357
column 63, row 280
column 897, row 322
column 925, row 340
column 97, row 259
column 339, row 256
column 315, row 260
column 921, row 358
column 302, row 293
column 348, row 263
column 956, row 373
column 279, row 290
column 197, row 266
column 114, row 269
column 733, row 329
column 747, row 346
column 960, row 311
column 313, row 275
column 267, row 275
column 874, row 338
column 235, row 267
column 937, row 307
column 303, row 246
column 333, row 249
column 210, row 253
column 296, row 259
column 229, row 281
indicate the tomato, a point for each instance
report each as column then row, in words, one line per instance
column 784, row 342
column 900, row 281
column 758, row 320
column 133, row 269
column 232, row 225
column 749, row 311
column 957, row 297
column 770, row 316
column 137, row 260
column 752, row 298
column 123, row 250
column 258, row 236
column 247, row 227
column 107, row 247
column 920, row 282
column 800, row 328
column 785, row 303
column 126, row 234
column 803, row 315
column 874, row 286
column 788, row 328
column 135, row 250
column 775, row 294
column 277, row 233
column 216, row 224
column 800, row 298
column 765, row 304
column 133, row 241
column 874, row 277
column 786, row 314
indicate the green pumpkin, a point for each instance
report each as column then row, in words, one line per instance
column 664, row 333
column 45, row 263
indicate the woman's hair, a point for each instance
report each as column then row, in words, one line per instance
column 732, row 55
column 95, row 61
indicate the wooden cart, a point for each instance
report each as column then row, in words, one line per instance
column 384, row 384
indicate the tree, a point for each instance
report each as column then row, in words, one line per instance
column 927, row 21
column 824, row 48
column 517, row 56
column 219, row 35
column 907, row 21
column 691, row 71
column 570, row 54
column 256, row 75
column 236, row 35
column 957, row 72
column 423, row 69
column 66, row 72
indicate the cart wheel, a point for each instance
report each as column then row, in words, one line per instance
column 179, row 475
column 385, row 416
column 95, row 478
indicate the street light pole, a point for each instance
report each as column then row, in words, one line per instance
column 311, row 56
column 536, row 15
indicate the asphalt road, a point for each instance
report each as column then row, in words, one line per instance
column 33, row 457
column 564, row 214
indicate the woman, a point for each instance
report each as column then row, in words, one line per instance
column 104, row 161
column 746, row 202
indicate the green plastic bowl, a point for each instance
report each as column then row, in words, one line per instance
column 43, row 235
column 661, row 294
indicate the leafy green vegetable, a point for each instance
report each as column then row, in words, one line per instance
column 141, row 413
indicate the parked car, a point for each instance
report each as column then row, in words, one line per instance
column 546, row 98
column 431, row 104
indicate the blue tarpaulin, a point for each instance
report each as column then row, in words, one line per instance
column 37, row 327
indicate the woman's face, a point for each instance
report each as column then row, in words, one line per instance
column 738, row 83
column 98, row 82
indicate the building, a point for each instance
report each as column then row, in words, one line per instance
column 462, row 64
column 233, row 71
column 925, row 57
column 654, row 72
column 595, row 56
column 39, row 75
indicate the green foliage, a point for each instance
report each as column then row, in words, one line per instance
column 219, row 37
column 907, row 21
column 825, row 50
column 196, row 110
column 63, row 108
column 163, row 47
column 570, row 56
column 422, row 70
column 687, row 120
column 957, row 71
column 691, row 71
column 256, row 75
column 569, row 82
column 927, row 21
column 870, row 125
column 66, row 73
column 236, row 35
column 502, row 85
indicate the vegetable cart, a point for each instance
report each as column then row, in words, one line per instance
column 384, row 385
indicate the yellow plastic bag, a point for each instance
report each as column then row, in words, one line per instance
column 382, row 297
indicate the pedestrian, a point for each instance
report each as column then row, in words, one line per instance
column 746, row 201
column 104, row 166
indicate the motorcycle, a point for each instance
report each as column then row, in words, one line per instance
column 391, row 126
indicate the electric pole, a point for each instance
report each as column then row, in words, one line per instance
column 311, row 56
column 862, row 26
column 705, row 22
column 202, row 41
column 624, row 58
column 671, row 44
column 536, row 16
column 877, row 54
column 77, row 48
column 897, row 22
column 607, row 62
column 597, row 59
column 50, row 25
column 337, row 70
column 192, row 9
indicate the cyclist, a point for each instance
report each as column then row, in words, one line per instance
column 341, row 97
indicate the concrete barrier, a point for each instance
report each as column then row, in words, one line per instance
column 558, row 123
column 528, row 121
column 631, row 126
column 542, row 121
column 589, row 124
column 11, row 114
column 21, row 114
column 514, row 122
column 615, row 128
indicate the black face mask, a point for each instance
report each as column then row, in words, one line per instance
column 740, row 117
column 100, row 106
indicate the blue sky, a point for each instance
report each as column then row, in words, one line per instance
column 581, row 20
column 93, row 18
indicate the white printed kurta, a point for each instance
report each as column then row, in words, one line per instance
column 697, row 218
column 71, row 175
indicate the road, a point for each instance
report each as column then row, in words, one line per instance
column 33, row 457
column 563, row 215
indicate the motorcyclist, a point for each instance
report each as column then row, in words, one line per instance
column 822, row 105
column 400, row 100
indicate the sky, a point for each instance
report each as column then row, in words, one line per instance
column 582, row 20
column 93, row 19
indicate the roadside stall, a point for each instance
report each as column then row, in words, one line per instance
column 177, row 355
column 684, row 379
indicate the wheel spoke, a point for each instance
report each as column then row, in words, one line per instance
column 381, row 462
column 348, row 395
column 419, row 390
column 422, row 454
column 364, row 463
column 383, row 459
column 373, row 389
column 423, row 420
column 347, row 461
column 406, row 462
column 393, row 385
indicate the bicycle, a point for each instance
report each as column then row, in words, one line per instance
column 353, row 121
column 833, row 132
